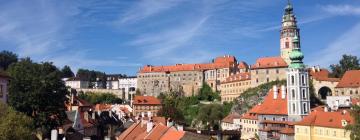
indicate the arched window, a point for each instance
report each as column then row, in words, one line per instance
column 292, row 80
column 303, row 93
column 293, row 106
column 305, row 108
column 303, row 79
column 293, row 93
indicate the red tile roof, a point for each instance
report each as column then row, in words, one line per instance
column 173, row 134
column 133, row 131
column 146, row 100
column 287, row 131
column 238, row 77
column 219, row 62
column 319, row 117
column 243, row 65
column 101, row 107
column 251, row 114
column 271, row 106
column 230, row 118
column 269, row 62
column 157, row 132
column 351, row 79
column 322, row 75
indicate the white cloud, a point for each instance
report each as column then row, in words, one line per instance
column 348, row 43
column 342, row 9
column 147, row 8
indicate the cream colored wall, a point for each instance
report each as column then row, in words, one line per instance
column 232, row 90
column 261, row 75
column 319, row 84
column 320, row 133
column 249, row 128
column 353, row 92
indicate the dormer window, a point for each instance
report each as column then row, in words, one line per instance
column 343, row 123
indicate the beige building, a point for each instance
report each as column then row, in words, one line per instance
column 268, row 69
column 323, row 84
column 76, row 83
column 4, row 81
column 324, row 125
column 349, row 84
column 146, row 105
column 188, row 78
column 231, row 122
column 249, row 124
column 234, row 86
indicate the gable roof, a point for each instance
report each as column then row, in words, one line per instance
column 271, row 106
column 243, row 65
column 269, row 62
column 318, row 117
column 322, row 75
column 351, row 79
column 146, row 100
column 173, row 134
column 230, row 118
column 252, row 113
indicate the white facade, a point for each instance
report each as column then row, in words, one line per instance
column 334, row 102
column 3, row 89
column 298, row 93
column 77, row 84
column 128, row 86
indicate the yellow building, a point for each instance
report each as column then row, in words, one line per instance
column 324, row 125
column 249, row 123
column 234, row 86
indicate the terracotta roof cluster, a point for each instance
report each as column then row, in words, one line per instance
column 219, row 62
column 230, row 118
column 269, row 62
column 159, row 131
column 243, row 65
column 351, row 79
column 318, row 117
column 146, row 100
column 271, row 106
column 322, row 75
column 251, row 114
column 238, row 77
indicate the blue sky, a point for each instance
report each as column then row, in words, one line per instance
column 121, row 36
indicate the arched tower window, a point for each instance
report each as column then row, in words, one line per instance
column 293, row 108
column 293, row 93
column 305, row 108
column 303, row 79
column 303, row 93
column 292, row 80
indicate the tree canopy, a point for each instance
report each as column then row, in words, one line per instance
column 66, row 72
column 355, row 128
column 96, row 98
column 14, row 125
column 206, row 93
column 7, row 58
column 210, row 115
column 37, row 91
column 348, row 62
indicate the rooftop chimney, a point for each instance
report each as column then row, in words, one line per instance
column 326, row 109
column 283, row 92
column 313, row 68
column 275, row 90
column 149, row 126
column 318, row 68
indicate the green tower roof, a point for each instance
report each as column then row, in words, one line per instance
column 296, row 56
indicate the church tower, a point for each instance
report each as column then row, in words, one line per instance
column 297, row 84
column 288, row 31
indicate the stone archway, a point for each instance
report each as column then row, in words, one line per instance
column 323, row 92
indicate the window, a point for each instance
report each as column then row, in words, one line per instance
column 305, row 108
column 267, row 79
column 293, row 93
column 293, row 106
column 303, row 79
column 277, row 71
column 334, row 134
column 257, row 80
column 292, row 80
column 257, row 72
column 286, row 44
column 303, row 93
column 267, row 71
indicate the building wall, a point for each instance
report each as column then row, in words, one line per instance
column 320, row 133
column 264, row 135
column 154, row 109
column 261, row 76
column 3, row 89
column 319, row 84
column 353, row 92
column 232, row 90
column 249, row 128
column 77, row 84
column 155, row 83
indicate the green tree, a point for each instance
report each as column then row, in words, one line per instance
column 210, row 115
column 348, row 62
column 97, row 98
column 66, row 72
column 37, row 91
column 206, row 93
column 7, row 58
column 169, row 109
column 14, row 125
column 355, row 127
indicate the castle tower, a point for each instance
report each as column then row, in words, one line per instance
column 297, row 84
column 288, row 31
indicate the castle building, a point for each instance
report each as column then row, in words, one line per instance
column 288, row 31
column 186, row 78
column 349, row 84
column 267, row 69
